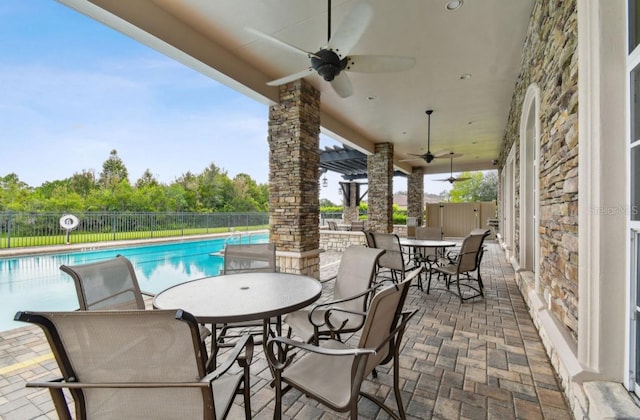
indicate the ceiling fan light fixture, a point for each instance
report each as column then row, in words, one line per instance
column 454, row 4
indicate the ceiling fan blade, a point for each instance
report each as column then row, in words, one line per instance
column 462, row 179
column 411, row 159
column 379, row 63
column 445, row 179
column 351, row 28
column 342, row 85
column 280, row 43
column 449, row 155
column 445, row 153
column 291, row 77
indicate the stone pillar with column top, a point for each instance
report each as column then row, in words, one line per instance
column 415, row 194
column 380, row 194
column 294, row 158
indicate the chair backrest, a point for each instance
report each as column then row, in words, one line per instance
column 392, row 258
column 368, row 235
column 136, row 347
column 357, row 225
column 429, row 232
column 382, row 317
column 250, row 257
column 471, row 251
column 355, row 275
column 412, row 223
column 109, row 284
column 332, row 225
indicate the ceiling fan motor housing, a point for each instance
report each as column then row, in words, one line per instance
column 328, row 64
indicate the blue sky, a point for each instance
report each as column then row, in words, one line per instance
column 74, row 89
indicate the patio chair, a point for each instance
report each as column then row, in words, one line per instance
column 391, row 264
column 107, row 284
column 110, row 284
column 243, row 258
column 368, row 235
column 332, row 225
column 429, row 255
column 138, row 364
column 412, row 223
column 345, row 312
column 462, row 264
column 357, row 225
column 333, row 373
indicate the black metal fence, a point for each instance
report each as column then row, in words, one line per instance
column 41, row 229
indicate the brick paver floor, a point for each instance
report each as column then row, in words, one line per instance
column 479, row 360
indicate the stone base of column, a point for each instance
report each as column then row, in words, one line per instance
column 306, row 263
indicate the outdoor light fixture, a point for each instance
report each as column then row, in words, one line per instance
column 454, row 4
column 325, row 182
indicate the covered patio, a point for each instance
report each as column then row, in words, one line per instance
column 478, row 360
column 545, row 91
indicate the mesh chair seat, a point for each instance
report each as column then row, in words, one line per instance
column 138, row 364
column 392, row 261
column 466, row 261
column 333, row 372
column 110, row 284
column 348, row 304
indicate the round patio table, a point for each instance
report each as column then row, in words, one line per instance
column 427, row 266
column 241, row 297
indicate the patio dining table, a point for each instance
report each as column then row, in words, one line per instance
column 424, row 244
column 241, row 297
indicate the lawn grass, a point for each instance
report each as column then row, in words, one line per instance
column 92, row 237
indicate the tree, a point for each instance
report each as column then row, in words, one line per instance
column 477, row 188
column 14, row 194
column 113, row 171
column 84, row 182
column 147, row 180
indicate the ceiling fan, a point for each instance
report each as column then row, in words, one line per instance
column 428, row 157
column 451, row 178
column 333, row 60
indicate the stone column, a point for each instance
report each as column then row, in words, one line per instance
column 415, row 194
column 380, row 174
column 294, row 157
column 351, row 208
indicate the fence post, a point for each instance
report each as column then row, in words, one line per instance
column 9, row 222
column 113, row 225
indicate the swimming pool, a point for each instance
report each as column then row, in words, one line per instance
column 35, row 283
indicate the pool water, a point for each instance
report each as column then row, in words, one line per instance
column 35, row 283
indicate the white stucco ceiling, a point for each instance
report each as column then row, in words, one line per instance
column 483, row 38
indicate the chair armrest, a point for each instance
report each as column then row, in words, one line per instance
column 282, row 345
column 329, row 279
column 337, row 329
column 59, row 384
column 328, row 305
column 149, row 294
column 245, row 343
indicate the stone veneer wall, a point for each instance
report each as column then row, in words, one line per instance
column 550, row 60
column 337, row 240
column 351, row 210
column 415, row 194
column 294, row 158
column 380, row 195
